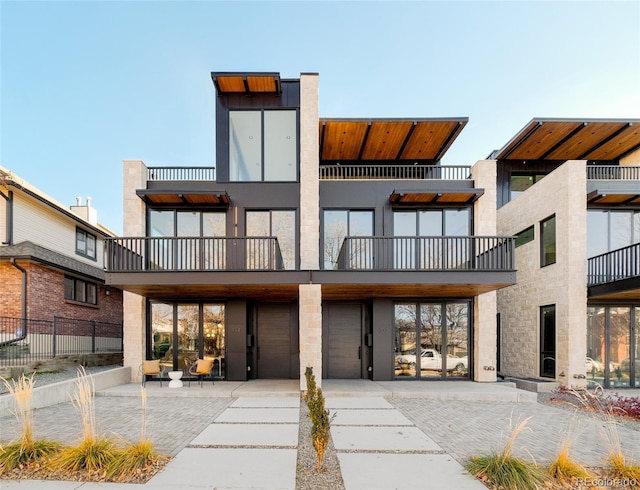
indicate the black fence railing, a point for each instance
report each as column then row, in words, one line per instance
column 612, row 172
column 192, row 254
column 619, row 264
column 395, row 172
column 181, row 173
column 23, row 340
column 473, row 253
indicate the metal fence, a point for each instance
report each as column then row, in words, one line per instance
column 613, row 172
column 24, row 340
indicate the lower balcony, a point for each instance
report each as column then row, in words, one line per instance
column 615, row 274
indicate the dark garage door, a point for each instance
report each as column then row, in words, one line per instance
column 343, row 327
column 274, row 341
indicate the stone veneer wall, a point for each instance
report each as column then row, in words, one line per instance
column 134, row 312
column 484, row 310
column 562, row 193
column 310, row 296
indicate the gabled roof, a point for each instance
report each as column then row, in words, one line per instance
column 573, row 139
column 410, row 140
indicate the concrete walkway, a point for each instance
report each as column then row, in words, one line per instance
column 403, row 435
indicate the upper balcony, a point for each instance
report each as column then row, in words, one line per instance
column 395, row 172
column 613, row 185
column 179, row 174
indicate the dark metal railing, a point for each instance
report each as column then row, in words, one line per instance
column 612, row 172
column 395, row 172
column 23, row 340
column 474, row 253
column 127, row 254
column 619, row 264
column 181, row 173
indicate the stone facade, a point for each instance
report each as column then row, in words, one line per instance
column 562, row 284
column 310, row 312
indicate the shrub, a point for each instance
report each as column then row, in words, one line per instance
column 320, row 417
column 503, row 470
column 564, row 469
column 26, row 450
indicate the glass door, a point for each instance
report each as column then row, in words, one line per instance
column 405, row 334
column 430, row 358
column 457, row 334
column 214, row 337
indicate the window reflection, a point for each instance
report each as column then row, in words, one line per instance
column 261, row 254
column 338, row 224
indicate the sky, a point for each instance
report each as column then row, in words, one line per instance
column 85, row 85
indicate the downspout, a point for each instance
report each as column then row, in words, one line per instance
column 9, row 219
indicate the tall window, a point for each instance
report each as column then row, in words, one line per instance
column 548, row 341
column 280, row 224
column 548, row 241
column 609, row 230
column 338, row 224
column 263, row 146
column 85, row 244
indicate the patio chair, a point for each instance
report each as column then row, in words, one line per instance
column 200, row 369
column 151, row 368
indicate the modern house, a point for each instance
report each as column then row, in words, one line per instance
column 51, row 262
column 570, row 191
column 340, row 244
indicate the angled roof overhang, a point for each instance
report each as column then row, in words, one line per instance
column 246, row 83
column 382, row 140
column 605, row 140
column 198, row 198
column 444, row 196
column 614, row 197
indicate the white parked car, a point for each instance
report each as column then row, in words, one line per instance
column 430, row 359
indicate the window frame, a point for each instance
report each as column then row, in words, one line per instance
column 87, row 237
column 264, row 144
column 544, row 262
column 78, row 285
column 544, row 341
column 523, row 237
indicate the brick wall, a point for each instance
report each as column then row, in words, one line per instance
column 45, row 296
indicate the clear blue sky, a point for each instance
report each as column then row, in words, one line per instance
column 85, row 85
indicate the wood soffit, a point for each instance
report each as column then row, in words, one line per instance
column 561, row 140
column 246, row 83
column 202, row 198
column 375, row 140
column 462, row 196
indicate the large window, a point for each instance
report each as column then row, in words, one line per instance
column 201, row 246
column 80, row 290
column 338, row 224
column 609, row 230
column 263, row 146
column 520, row 182
column 548, row 241
column 271, row 223
column 431, row 340
column 548, row 341
column 85, row 244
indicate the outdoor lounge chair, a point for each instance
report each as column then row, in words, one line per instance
column 200, row 369
column 151, row 368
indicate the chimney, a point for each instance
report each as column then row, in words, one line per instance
column 85, row 212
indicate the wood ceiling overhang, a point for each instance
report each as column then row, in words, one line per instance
column 383, row 140
column 193, row 198
column 613, row 197
column 571, row 139
column 448, row 196
column 246, row 83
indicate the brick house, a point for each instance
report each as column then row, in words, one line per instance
column 51, row 257
column 340, row 244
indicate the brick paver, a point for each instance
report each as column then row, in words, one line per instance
column 465, row 429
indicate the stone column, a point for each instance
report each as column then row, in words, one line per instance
column 310, row 318
column 133, row 305
column 485, row 305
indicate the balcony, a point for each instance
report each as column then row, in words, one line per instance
column 395, row 172
column 620, row 264
column 160, row 174
column 612, row 172
column 187, row 254
column 468, row 253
